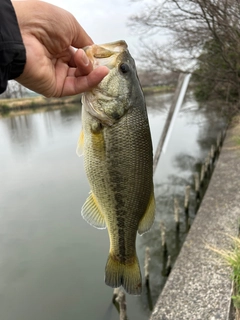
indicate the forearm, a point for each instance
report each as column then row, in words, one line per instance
column 12, row 50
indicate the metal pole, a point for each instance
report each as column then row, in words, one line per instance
column 181, row 89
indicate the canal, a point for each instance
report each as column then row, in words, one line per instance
column 52, row 262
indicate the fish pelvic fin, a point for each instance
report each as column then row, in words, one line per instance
column 127, row 275
column 80, row 144
column 147, row 220
column 92, row 214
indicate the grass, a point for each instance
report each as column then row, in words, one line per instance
column 234, row 141
column 4, row 109
column 237, row 140
column 232, row 258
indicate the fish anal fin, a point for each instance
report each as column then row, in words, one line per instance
column 147, row 220
column 80, row 144
column 92, row 214
column 127, row 275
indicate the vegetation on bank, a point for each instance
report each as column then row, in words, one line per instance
column 203, row 38
column 232, row 258
column 18, row 104
column 8, row 106
column 217, row 75
column 158, row 89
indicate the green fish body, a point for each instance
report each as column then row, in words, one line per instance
column 117, row 148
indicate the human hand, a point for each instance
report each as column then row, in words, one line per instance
column 53, row 67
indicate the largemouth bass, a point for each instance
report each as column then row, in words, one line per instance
column 117, row 148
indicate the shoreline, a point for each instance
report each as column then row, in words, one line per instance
column 9, row 106
column 17, row 106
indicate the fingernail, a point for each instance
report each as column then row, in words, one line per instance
column 85, row 59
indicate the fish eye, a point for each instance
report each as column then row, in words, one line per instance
column 124, row 68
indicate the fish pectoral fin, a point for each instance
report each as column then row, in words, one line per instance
column 92, row 214
column 80, row 144
column 148, row 218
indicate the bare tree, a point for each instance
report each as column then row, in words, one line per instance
column 14, row 90
column 150, row 77
column 200, row 33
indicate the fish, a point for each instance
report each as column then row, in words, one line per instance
column 116, row 144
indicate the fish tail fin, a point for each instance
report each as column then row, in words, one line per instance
column 127, row 275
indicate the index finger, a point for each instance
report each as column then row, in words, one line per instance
column 83, row 64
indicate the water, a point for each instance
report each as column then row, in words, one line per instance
column 52, row 262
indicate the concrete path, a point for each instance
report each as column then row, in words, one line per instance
column 199, row 286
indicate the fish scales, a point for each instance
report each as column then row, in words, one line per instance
column 122, row 172
column 118, row 164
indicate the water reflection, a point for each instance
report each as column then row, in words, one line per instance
column 20, row 130
column 52, row 262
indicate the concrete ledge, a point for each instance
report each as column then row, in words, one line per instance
column 199, row 286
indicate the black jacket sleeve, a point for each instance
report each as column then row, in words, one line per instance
column 12, row 50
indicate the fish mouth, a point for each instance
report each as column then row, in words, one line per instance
column 105, row 54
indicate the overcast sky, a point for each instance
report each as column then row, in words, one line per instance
column 104, row 20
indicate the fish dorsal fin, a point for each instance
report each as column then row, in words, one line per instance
column 92, row 214
column 80, row 144
column 148, row 218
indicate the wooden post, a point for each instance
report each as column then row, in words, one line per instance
column 121, row 299
column 114, row 298
column 202, row 174
column 176, row 214
column 213, row 154
column 147, row 281
column 163, row 238
column 146, row 266
column 168, row 267
column 207, row 165
column 186, row 201
column 115, row 293
column 197, row 186
column 188, row 224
